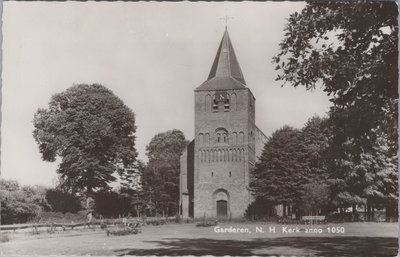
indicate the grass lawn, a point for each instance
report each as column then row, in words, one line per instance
column 359, row 239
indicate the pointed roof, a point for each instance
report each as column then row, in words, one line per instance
column 225, row 72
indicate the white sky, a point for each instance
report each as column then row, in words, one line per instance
column 152, row 55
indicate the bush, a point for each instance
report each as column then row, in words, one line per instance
column 60, row 201
column 111, row 204
column 20, row 204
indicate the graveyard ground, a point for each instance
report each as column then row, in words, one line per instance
column 359, row 239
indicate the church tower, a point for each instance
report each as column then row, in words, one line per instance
column 215, row 167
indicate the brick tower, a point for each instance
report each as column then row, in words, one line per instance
column 215, row 166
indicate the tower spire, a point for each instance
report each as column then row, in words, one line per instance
column 225, row 62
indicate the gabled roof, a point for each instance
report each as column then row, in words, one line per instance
column 225, row 72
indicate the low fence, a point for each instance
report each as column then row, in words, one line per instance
column 73, row 225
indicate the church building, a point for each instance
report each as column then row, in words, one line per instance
column 215, row 166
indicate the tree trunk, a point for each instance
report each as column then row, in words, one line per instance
column 365, row 212
column 354, row 212
column 388, row 212
column 373, row 212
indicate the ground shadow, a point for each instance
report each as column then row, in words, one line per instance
column 317, row 246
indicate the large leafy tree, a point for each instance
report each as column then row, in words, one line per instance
column 92, row 131
column 280, row 171
column 350, row 50
column 292, row 162
column 160, row 178
column 315, row 137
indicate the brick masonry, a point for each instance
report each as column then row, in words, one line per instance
column 216, row 165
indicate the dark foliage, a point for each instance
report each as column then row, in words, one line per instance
column 21, row 204
column 350, row 49
column 280, row 171
column 291, row 161
column 112, row 204
column 64, row 202
column 92, row 131
column 259, row 210
column 160, row 178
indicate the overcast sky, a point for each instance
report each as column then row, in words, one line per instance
column 151, row 55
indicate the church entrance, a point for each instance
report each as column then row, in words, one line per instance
column 222, row 208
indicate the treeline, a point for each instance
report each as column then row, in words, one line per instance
column 299, row 170
column 154, row 189
column 352, row 54
column 150, row 189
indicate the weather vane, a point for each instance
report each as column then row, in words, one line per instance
column 226, row 18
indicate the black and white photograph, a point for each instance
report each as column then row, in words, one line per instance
column 199, row 128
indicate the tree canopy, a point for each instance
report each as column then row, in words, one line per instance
column 350, row 49
column 92, row 132
column 280, row 170
column 160, row 178
column 292, row 161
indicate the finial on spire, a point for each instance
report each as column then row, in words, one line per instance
column 226, row 18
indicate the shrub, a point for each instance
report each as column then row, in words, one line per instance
column 20, row 204
column 60, row 201
column 112, row 204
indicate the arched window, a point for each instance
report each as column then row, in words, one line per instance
column 208, row 103
column 201, row 139
column 234, row 138
column 226, row 103
column 207, row 139
column 222, row 135
column 220, row 101
column 215, row 104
